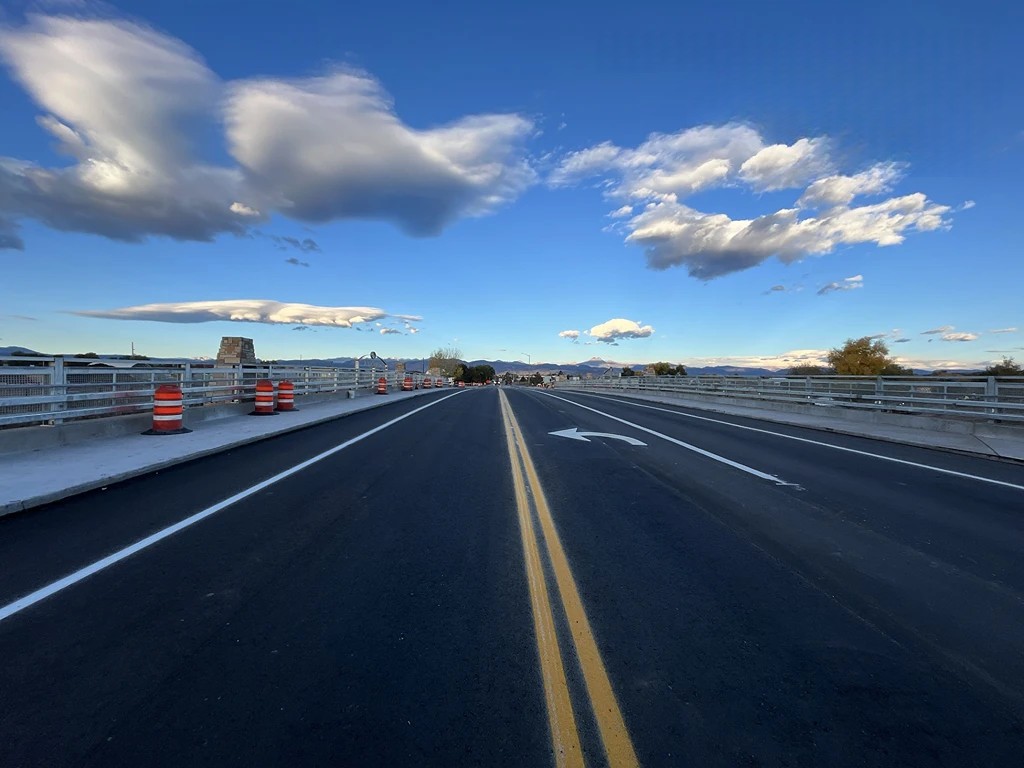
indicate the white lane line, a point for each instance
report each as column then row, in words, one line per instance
column 953, row 472
column 687, row 446
column 83, row 573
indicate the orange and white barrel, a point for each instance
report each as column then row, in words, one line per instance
column 286, row 396
column 407, row 384
column 438, row 383
column 427, row 383
column 382, row 386
column 264, row 398
column 167, row 411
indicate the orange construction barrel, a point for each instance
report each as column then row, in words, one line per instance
column 286, row 396
column 167, row 411
column 264, row 398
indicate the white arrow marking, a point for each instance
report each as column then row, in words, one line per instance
column 575, row 434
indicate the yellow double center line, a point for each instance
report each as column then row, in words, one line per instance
column 564, row 734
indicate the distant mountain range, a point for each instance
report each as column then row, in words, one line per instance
column 594, row 366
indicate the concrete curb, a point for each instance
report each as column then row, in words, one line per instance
column 22, row 505
column 928, row 439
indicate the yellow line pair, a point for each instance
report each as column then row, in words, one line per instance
column 564, row 734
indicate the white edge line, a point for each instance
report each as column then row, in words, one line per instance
column 73, row 578
column 734, row 464
column 814, row 442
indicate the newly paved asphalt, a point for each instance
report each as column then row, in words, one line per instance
column 778, row 602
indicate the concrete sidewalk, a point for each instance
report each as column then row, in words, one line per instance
column 999, row 441
column 48, row 474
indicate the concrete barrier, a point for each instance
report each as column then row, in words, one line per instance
column 35, row 438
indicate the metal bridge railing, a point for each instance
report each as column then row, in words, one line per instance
column 978, row 397
column 47, row 390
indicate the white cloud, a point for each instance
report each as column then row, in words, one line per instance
column 1004, row 330
column 130, row 106
column 331, row 147
column 840, row 190
column 389, row 331
column 772, row 362
column 967, row 205
column 243, row 210
column 846, row 284
column 782, row 166
column 568, row 334
column 936, row 331
column 618, row 328
column 960, row 336
column 661, row 172
column 249, row 311
column 618, row 213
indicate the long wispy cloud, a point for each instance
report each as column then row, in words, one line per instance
column 1003, row 330
column 657, row 176
column 960, row 336
column 249, row 311
column 937, row 331
column 846, row 284
column 129, row 106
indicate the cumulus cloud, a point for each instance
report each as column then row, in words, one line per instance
column 130, row 107
column 619, row 213
column 612, row 330
column 658, row 175
column 937, row 331
column 296, row 263
column 331, row 147
column 389, row 331
column 846, row 284
column 1004, row 330
column 569, row 335
column 782, row 166
column 248, row 311
column 960, row 336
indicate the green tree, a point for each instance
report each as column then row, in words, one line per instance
column 664, row 369
column 1005, row 368
column 862, row 357
column 536, row 379
column 627, row 371
column 507, row 378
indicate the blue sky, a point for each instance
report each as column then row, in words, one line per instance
column 782, row 177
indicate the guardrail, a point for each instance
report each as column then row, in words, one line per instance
column 48, row 390
column 978, row 397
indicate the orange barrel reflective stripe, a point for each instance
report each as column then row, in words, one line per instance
column 264, row 398
column 286, row 396
column 167, row 411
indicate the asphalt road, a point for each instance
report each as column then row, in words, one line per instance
column 444, row 582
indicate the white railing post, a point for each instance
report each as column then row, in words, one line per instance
column 59, row 386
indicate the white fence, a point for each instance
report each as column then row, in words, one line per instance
column 48, row 390
column 979, row 397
